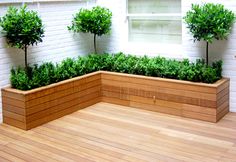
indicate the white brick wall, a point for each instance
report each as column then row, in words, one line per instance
column 59, row 43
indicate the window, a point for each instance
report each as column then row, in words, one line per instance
column 156, row 21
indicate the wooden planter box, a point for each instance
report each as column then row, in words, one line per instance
column 208, row 102
column 28, row 109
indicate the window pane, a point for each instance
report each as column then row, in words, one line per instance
column 162, row 30
column 154, row 6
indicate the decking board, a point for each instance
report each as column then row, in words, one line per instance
column 108, row 132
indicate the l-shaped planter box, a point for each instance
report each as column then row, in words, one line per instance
column 29, row 109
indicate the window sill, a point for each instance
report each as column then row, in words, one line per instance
column 33, row 1
column 154, row 49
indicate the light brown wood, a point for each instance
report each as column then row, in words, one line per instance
column 182, row 98
column 28, row 109
column 163, row 82
column 107, row 132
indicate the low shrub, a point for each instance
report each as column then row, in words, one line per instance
column 48, row 73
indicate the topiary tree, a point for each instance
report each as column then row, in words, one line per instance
column 22, row 28
column 208, row 22
column 96, row 21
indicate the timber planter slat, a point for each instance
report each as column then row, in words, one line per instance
column 29, row 109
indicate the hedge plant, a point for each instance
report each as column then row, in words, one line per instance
column 208, row 22
column 96, row 21
column 22, row 28
column 49, row 73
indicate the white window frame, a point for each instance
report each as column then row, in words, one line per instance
column 153, row 48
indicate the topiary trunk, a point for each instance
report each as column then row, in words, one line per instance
column 207, row 50
column 26, row 61
column 94, row 42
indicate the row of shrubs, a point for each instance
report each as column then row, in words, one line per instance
column 48, row 73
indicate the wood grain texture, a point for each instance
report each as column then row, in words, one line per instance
column 107, row 132
column 208, row 102
column 28, row 109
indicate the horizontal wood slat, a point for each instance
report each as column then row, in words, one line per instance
column 13, row 102
column 125, row 92
column 14, row 122
column 61, row 113
column 52, row 110
column 14, row 109
column 167, row 83
column 192, row 100
column 69, row 98
column 158, row 89
column 15, row 116
column 28, row 109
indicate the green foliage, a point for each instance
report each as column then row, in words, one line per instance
column 22, row 28
column 49, row 73
column 96, row 21
column 41, row 75
column 65, row 70
column 208, row 22
column 20, row 79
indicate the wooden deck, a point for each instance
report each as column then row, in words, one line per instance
column 107, row 132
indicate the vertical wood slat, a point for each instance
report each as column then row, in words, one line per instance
column 28, row 109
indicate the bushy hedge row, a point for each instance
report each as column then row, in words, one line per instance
column 48, row 73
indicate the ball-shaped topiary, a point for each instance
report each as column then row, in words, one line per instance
column 22, row 28
column 208, row 22
column 96, row 21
